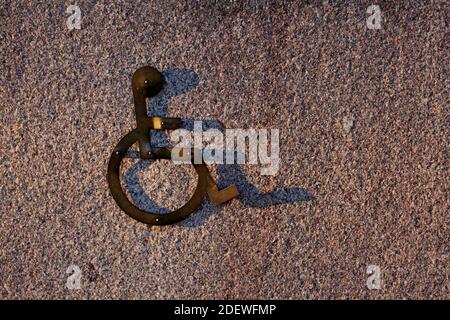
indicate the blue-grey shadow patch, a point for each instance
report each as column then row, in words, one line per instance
column 137, row 192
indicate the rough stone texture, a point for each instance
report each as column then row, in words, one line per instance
column 364, row 175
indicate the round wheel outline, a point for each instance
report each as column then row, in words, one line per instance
column 132, row 210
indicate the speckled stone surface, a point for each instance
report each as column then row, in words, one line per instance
column 364, row 134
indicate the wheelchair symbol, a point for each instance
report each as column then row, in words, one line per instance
column 148, row 82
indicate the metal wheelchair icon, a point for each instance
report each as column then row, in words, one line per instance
column 148, row 82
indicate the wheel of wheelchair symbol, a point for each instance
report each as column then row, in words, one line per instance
column 131, row 209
